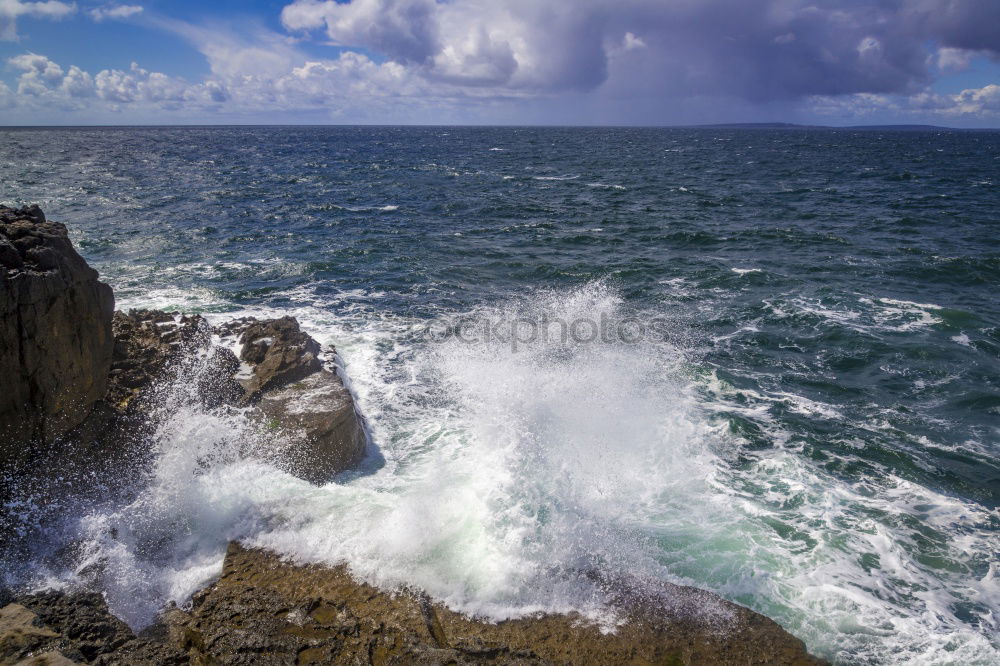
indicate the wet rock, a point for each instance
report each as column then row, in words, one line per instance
column 149, row 343
column 145, row 342
column 10, row 258
column 50, row 658
column 317, row 417
column 279, row 352
column 303, row 407
column 55, row 334
column 296, row 396
column 266, row 611
column 22, row 634
column 77, row 627
column 82, row 620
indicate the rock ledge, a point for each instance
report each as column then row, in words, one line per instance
column 265, row 611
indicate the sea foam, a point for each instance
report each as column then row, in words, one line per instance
column 502, row 478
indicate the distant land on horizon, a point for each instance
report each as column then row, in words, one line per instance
column 898, row 128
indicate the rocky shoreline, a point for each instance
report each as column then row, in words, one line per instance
column 88, row 383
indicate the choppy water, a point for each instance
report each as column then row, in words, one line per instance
column 812, row 432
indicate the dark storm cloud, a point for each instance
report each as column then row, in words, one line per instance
column 964, row 24
column 765, row 50
column 756, row 49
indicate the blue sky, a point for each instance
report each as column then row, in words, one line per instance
column 500, row 61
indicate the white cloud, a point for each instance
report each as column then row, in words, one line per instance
column 954, row 60
column 350, row 82
column 260, row 69
column 979, row 101
column 630, row 42
column 77, row 83
column 114, row 85
column 140, row 86
column 7, row 97
column 38, row 74
column 925, row 106
column 257, row 53
column 37, row 66
column 404, row 30
column 44, row 82
column 11, row 10
column 512, row 43
column 115, row 12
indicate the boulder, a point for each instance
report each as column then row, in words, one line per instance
column 317, row 417
column 55, row 334
column 76, row 367
column 284, row 381
column 295, row 395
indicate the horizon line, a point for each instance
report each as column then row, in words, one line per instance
column 736, row 125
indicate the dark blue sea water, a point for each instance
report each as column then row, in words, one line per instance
column 811, row 428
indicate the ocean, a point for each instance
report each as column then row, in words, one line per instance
column 760, row 362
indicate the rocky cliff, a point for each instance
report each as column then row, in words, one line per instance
column 55, row 334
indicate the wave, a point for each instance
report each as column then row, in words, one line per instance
column 872, row 316
column 507, row 473
column 357, row 209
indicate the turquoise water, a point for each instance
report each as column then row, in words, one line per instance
column 808, row 423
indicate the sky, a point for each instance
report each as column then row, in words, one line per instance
column 565, row 62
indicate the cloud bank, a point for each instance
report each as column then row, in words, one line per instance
column 755, row 49
column 843, row 58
